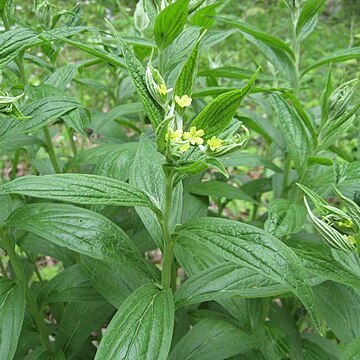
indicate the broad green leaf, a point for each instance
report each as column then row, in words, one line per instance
column 339, row 306
column 62, row 76
column 219, row 189
column 80, row 230
column 170, row 22
column 204, row 17
column 77, row 322
column 70, row 285
column 5, row 207
column 310, row 9
column 274, row 49
column 250, row 160
column 147, row 174
column 339, row 56
column 18, row 141
column 43, row 111
column 352, row 350
column 232, row 72
column 213, row 339
column 115, row 282
column 142, row 327
column 226, row 280
column 12, row 310
column 295, row 135
column 111, row 160
column 14, row 41
column 284, row 217
column 217, row 115
column 323, row 264
column 319, row 348
column 254, row 248
column 80, row 189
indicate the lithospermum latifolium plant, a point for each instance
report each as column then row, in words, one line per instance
column 134, row 223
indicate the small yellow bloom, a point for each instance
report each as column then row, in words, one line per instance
column 183, row 101
column 352, row 239
column 185, row 147
column 173, row 135
column 214, row 143
column 194, row 136
column 162, row 89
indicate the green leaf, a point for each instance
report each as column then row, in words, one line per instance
column 45, row 110
column 295, row 135
column 339, row 56
column 226, row 280
column 77, row 322
column 80, row 189
column 5, row 207
column 339, row 306
column 352, row 350
column 274, row 49
column 137, row 73
column 14, row 41
column 170, row 22
column 310, row 9
column 62, row 76
column 12, row 310
column 204, row 17
column 115, row 282
column 185, row 81
column 219, row 189
column 70, row 285
column 147, row 174
column 254, row 248
column 284, row 217
column 102, row 55
column 213, row 339
column 142, row 328
column 217, row 115
column 80, row 230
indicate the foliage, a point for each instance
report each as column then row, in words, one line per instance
column 157, row 172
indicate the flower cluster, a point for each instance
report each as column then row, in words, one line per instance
column 339, row 228
column 184, row 140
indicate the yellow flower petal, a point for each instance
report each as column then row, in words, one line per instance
column 162, row 89
column 183, row 101
column 185, row 147
column 214, row 143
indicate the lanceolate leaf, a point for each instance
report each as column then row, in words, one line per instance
column 308, row 12
column 251, row 247
column 225, row 280
column 12, row 309
column 275, row 50
column 185, row 81
column 217, row 115
column 45, row 110
column 81, row 230
column 213, row 339
column 79, row 189
column 170, row 22
column 14, row 41
column 142, row 327
column 295, row 135
column 339, row 56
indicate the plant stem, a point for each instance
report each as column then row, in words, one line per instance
column 71, row 139
column 15, row 164
column 168, row 253
column 50, row 150
column 20, row 275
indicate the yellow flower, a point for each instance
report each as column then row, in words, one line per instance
column 163, row 90
column 183, row 101
column 214, row 143
column 194, row 136
column 173, row 135
column 185, row 147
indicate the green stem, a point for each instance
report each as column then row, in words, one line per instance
column 50, row 150
column 71, row 139
column 15, row 164
column 287, row 169
column 3, row 269
column 20, row 275
column 168, row 253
